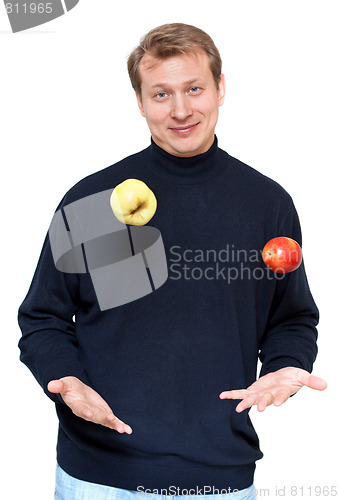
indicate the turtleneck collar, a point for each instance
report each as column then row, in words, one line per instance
column 188, row 170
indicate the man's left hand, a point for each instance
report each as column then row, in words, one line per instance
column 274, row 388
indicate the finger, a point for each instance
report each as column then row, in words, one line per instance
column 264, row 401
column 281, row 397
column 105, row 416
column 246, row 403
column 235, row 394
column 84, row 411
column 115, row 423
column 101, row 416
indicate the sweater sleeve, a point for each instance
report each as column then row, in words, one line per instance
column 290, row 338
column 48, row 345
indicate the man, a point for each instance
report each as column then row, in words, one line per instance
column 173, row 365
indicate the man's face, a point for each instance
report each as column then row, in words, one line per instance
column 180, row 102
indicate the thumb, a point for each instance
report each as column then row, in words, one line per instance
column 314, row 382
column 317, row 383
column 57, row 386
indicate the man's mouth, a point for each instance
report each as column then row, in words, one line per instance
column 185, row 129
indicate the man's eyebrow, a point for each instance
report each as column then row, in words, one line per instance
column 165, row 84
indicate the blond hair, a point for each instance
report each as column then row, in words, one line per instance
column 170, row 40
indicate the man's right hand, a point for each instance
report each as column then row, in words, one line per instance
column 87, row 403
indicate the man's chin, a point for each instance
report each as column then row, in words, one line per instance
column 190, row 149
column 182, row 147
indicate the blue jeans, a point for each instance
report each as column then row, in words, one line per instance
column 69, row 488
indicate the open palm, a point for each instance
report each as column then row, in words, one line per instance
column 274, row 388
column 87, row 403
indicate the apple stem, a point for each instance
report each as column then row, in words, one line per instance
column 138, row 208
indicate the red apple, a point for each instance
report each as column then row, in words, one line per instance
column 282, row 255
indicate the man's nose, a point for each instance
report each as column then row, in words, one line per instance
column 181, row 107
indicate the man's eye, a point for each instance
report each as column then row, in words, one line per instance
column 194, row 90
column 161, row 95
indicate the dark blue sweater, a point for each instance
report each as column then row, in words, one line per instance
column 162, row 360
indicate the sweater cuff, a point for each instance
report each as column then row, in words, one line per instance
column 278, row 363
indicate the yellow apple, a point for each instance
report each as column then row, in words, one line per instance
column 133, row 202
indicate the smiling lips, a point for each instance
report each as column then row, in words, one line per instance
column 185, row 129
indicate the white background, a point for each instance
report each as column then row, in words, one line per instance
column 67, row 110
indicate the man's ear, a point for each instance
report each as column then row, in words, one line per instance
column 221, row 89
column 141, row 107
